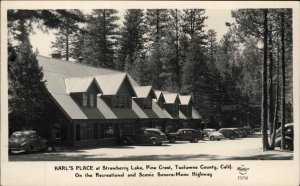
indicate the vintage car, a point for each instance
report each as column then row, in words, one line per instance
column 187, row 134
column 288, row 138
column 207, row 131
column 229, row 133
column 215, row 136
column 151, row 136
column 27, row 140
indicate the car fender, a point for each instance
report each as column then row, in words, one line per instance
column 278, row 140
column 154, row 138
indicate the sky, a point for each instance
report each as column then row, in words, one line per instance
column 216, row 21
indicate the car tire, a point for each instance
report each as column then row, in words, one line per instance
column 218, row 139
column 153, row 142
column 212, row 138
column 29, row 149
column 46, row 148
column 288, row 146
column 125, row 141
column 195, row 140
column 172, row 140
column 232, row 137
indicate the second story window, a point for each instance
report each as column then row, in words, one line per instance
column 147, row 103
column 121, row 101
column 84, row 99
column 92, row 101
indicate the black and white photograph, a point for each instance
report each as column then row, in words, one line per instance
column 195, row 88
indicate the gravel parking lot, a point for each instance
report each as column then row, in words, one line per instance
column 238, row 149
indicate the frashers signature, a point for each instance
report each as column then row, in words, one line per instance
column 243, row 170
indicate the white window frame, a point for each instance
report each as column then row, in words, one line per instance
column 92, row 101
column 84, row 99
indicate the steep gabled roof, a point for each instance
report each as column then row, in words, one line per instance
column 78, row 84
column 144, row 91
column 185, row 100
column 111, row 83
column 170, row 98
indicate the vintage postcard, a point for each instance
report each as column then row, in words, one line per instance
column 149, row 92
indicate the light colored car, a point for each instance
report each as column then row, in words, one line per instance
column 207, row 131
column 216, row 136
column 27, row 140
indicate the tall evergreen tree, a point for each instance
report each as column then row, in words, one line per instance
column 26, row 87
column 100, row 39
column 132, row 37
column 67, row 31
column 156, row 21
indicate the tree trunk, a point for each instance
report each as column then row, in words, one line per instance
column 264, row 102
column 271, row 103
column 275, row 118
column 283, row 81
column 67, row 41
column 177, row 51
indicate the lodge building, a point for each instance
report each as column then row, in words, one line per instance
column 95, row 106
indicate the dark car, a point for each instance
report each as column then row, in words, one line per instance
column 150, row 136
column 27, row 140
column 187, row 134
column 229, row 133
column 288, row 138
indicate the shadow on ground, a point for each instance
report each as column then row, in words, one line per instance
column 79, row 155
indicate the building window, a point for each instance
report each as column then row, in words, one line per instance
column 108, row 130
column 59, row 132
column 86, row 131
column 84, row 99
column 147, row 103
column 176, row 109
column 121, row 101
column 92, row 101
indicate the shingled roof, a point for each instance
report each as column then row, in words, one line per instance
column 144, row 91
column 185, row 100
column 76, row 85
column 62, row 76
column 170, row 98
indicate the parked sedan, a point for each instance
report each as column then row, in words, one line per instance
column 207, row 131
column 288, row 138
column 27, row 140
column 216, row 136
column 151, row 136
column 187, row 134
column 229, row 133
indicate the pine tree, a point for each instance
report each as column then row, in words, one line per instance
column 100, row 39
column 26, row 87
column 67, row 30
column 132, row 37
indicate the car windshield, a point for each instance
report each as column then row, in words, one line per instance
column 21, row 135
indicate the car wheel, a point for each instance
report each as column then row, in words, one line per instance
column 232, row 137
column 288, row 146
column 218, row 139
column 125, row 141
column 153, row 142
column 172, row 140
column 29, row 149
column 46, row 147
column 212, row 138
column 195, row 140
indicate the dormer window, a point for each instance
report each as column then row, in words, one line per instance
column 84, row 99
column 121, row 101
column 92, row 100
column 147, row 103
